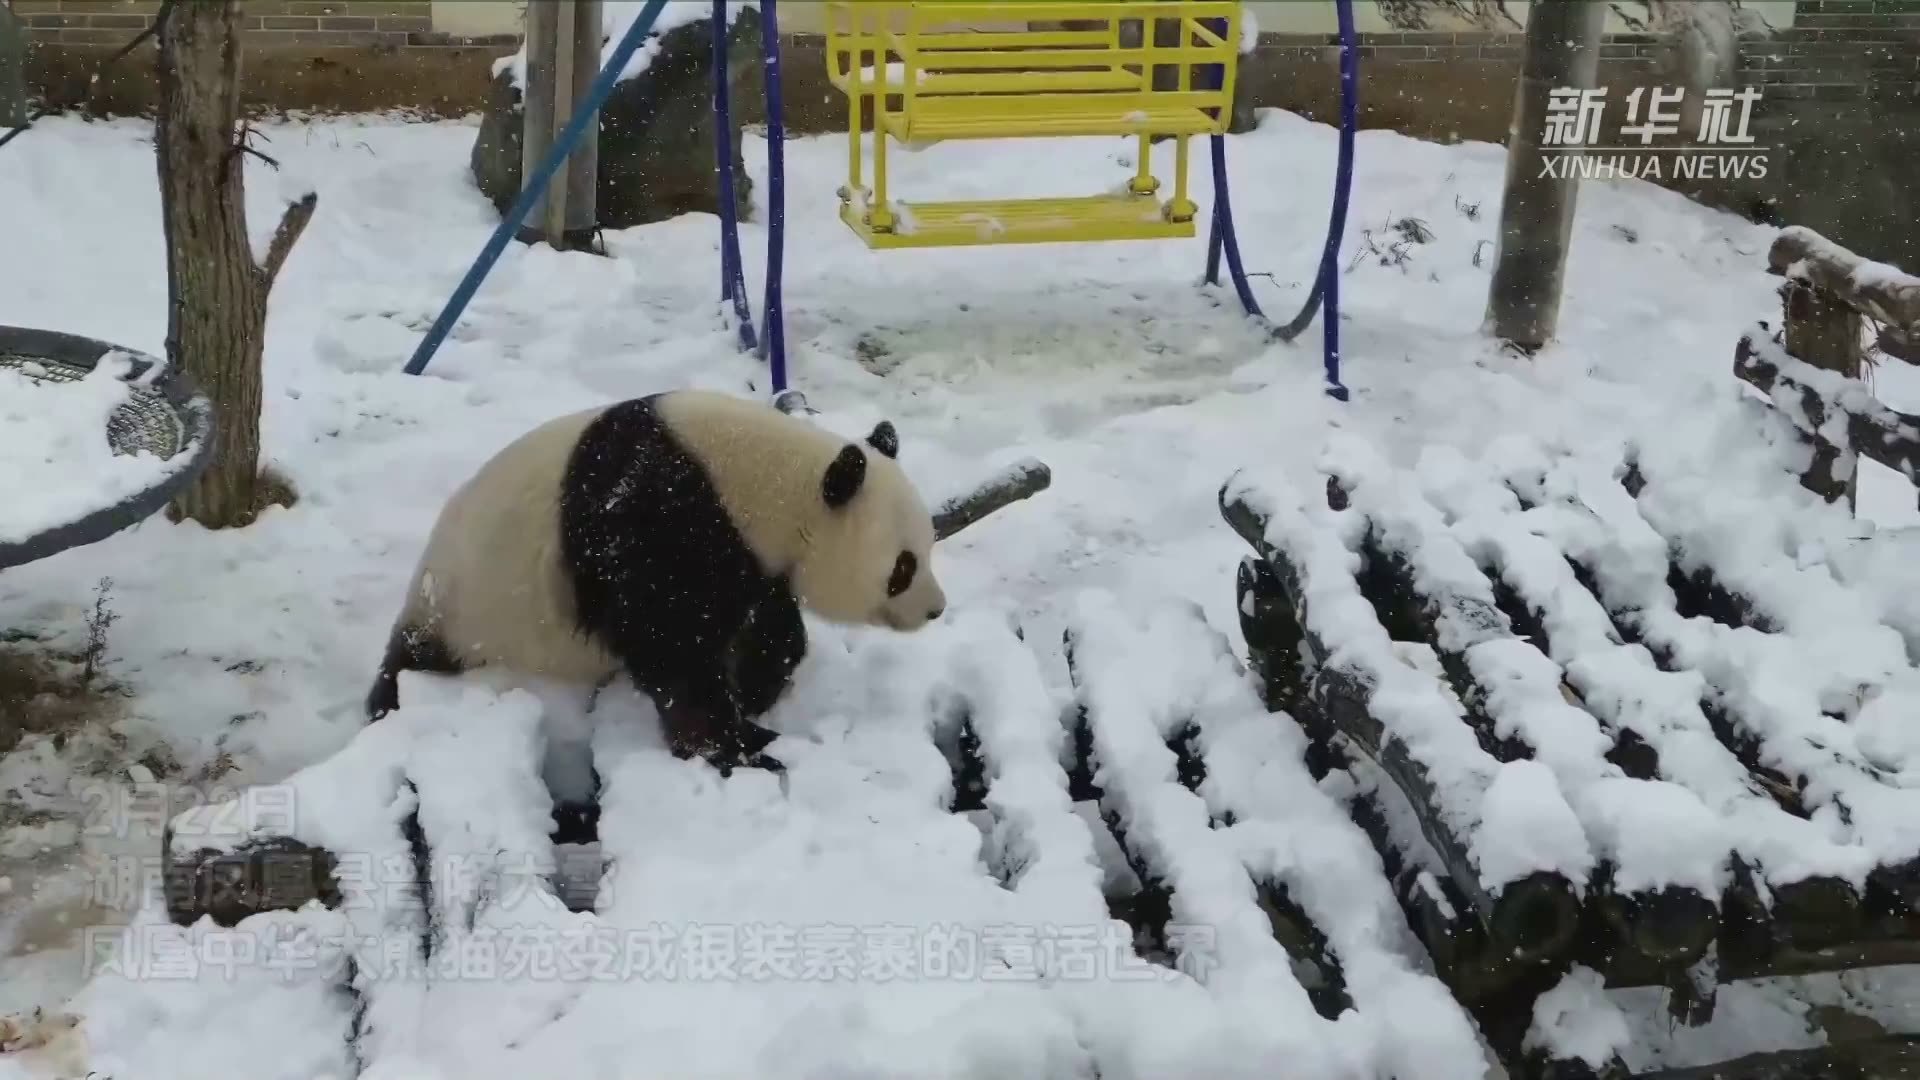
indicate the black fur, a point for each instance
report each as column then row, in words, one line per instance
column 770, row 647
column 663, row 579
column 844, row 477
column 885, row 439
column 408, row 649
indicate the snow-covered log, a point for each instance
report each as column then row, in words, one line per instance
column 1021, row 480
column 1662, row 858
column 1875, row 289
column 1831, row 409
column 1664, row 710
column 1509, row 844
column 1895, row 1056
column 1131, row 719
column 1783, row 697
column 380, row 825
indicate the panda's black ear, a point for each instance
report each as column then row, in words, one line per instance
column 844, row 477
column 885, row 439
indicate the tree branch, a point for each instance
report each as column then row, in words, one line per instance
column 292, row 224
column 1023, row 479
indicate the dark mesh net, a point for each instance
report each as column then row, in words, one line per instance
column 146, row 422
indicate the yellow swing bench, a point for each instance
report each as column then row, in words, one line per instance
column 923, row 74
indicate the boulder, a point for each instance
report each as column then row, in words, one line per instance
column 656, row 129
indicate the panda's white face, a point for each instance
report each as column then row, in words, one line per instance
column 867, row 558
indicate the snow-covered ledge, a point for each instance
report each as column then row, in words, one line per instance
column 615, row 17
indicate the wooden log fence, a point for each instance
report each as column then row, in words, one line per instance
column 1812, row 368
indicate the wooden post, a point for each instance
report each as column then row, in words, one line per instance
column 1822, row 330
column 1536, row 213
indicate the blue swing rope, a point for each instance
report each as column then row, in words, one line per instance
column 771, row 344
column 1326, row 282
column 733, row 285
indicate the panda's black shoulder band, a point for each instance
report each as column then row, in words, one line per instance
column 844, row 477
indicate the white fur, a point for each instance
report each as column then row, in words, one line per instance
column 767, row 467
column 491, row 584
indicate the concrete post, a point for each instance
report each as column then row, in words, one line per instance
column 583, row 168
column 536, row 98
column 562, row 89
column 1536, row 213
column 563, row 58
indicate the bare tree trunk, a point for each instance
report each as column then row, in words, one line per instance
column 1536, row 211
column 216, row 291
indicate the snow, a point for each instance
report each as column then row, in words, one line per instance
column 1576, row 1019
column 1513, row 818
column 1655, row 833
column 616, row 18
column 896, row 74
column 1873, row 282
column 1791, row 691
column 59, row 465
column 245, row 653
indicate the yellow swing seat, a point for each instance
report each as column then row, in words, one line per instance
column 924, row 74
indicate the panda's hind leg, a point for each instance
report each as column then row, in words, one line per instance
column 766, row 652
column 409, row 648
column 701, row 718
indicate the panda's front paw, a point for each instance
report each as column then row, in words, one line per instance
column 762, row 761
column 740, row 756
column 753, row 739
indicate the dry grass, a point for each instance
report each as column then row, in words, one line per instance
column 45, row 693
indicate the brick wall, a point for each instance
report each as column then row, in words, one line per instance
column 1434, row 84
column 1840, row 50
column 392, row 24
column 1841, row 103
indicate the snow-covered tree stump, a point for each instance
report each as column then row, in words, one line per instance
column 392, row 824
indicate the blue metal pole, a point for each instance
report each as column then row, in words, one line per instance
column 733, row 284
column 531, row 189
column 1342, row 186
column 773, row 345
column 1326, row 284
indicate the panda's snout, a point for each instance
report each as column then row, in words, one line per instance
column 938, row 610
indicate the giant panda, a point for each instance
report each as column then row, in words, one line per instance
column 676, row 537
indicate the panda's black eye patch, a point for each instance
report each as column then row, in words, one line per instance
column 904, row 568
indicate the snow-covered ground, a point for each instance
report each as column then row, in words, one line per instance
column 247, row 653
column 59, row 469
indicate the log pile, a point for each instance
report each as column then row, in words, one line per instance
column 1345, row 593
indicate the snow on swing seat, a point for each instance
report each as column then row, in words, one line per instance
column 97, row 438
